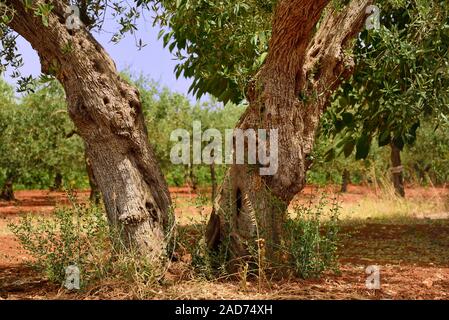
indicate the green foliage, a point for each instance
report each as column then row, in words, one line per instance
column 166, row 111
column 401, row 78
column 311, row 239
column 220, row 44
column 427, row 161
column 79, row 235
column 8, row 48
column 75, row 235
column 424, row 162
column 43, row 10
column 36, row 142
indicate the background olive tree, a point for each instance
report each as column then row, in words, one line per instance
column 400, row 83
column 37, row 150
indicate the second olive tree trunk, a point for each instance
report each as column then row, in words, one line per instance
column 289, row 94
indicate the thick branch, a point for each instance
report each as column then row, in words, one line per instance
column 325, row 54
column 293, row 26
column 326, row 64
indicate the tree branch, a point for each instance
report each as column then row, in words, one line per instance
column 326, row 62
column 293, row 25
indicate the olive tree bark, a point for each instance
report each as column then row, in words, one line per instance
column 191, row 178
column 396, row 170
column 107, row 113
column 7, row 191
column 345, row 181
column 213, row 181
column 306, row 62
column 57, row 182
column 95, row 194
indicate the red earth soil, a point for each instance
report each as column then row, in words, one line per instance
column 413, row 257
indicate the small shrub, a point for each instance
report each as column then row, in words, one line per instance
column 79, row 235
column 205, row 263
column 309, row 245
column 75, row 235
column 311, row 239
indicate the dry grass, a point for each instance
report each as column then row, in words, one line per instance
column 381, row 204
column 386, row 208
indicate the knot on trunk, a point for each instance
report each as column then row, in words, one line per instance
column 134, row 217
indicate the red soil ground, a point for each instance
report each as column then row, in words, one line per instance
column 414, row 257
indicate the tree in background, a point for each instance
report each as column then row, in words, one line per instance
column 7, row 102
column 166, row 111
column 400, row 81
column 426, row 161
column 35, row 149
column 40, row 143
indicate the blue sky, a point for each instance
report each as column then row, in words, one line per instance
column 153, row 60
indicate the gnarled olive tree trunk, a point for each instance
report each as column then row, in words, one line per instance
column 303, row 67
column 107, row 113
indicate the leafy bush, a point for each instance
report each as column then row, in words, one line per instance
column 75, row 235
column 204, row 263
column 79, row 235
column 311, row 239
column 38, row 140
column 309, row 246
